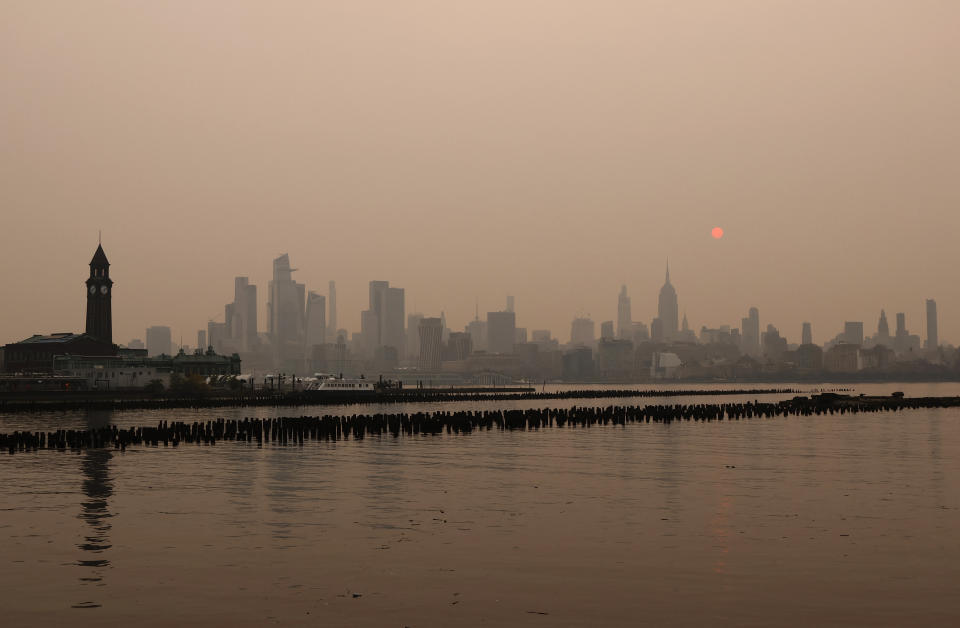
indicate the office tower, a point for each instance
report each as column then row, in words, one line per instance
column 883, row 328
column 519, row 336
column 99, row 294
column 459, row 346
column 667, row 310
column 430, row 331
column 540, row 335
column 413, row 336
column 806, row 335
column 606, row 330
column 219, row 338
column 285, row 311
column 624, row 315
column 501, row 328
column 933, row 340
column 241, row 316
column 316, row 323
column 159, row 341
column 582, row 332
column 202, row 339
column 853, row 332
column 332, row 319
column 382, row 322
column 510, row 303
column 478, row 332
column 750, row 331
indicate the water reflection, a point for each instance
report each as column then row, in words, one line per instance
column 95, row 511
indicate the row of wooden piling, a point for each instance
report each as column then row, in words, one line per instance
column 302, row 429
column 73, row 402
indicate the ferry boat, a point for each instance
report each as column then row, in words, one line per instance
column 339, row 385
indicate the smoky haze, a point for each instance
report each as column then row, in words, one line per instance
column 469, row 150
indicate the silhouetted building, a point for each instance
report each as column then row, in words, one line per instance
column 806, row 336
column 332, row 319
column 624, row 316
column 382, row 324
column 431, row 337
column 614, row 359
column 159, row 341
column 842, row 358
column 36, row 354
column 656, row 330
column 413, row 336
column 219, row 338
column 774, row 346
column 478, row 334
column 853, row 333
column 99, row 295
column 582, row 332
column 606, row 330
column 883, row 328
column 810, row 356
column 459, row 346
column 285, row 314
column 510, row 303
column 750, row 332
column 578, row 364
column 240, row 317
column 201, row 339
column 933, row 340
column 501, row 329
column 667, row 310
column 316, row 323
column 519, row 336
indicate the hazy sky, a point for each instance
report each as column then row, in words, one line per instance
column 473, row 149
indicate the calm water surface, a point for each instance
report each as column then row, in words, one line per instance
column 842, row 520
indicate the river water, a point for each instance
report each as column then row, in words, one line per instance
column 823, row 520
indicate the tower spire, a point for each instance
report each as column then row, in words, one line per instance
column 668, row 270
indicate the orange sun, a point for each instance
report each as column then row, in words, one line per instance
column 717, row 233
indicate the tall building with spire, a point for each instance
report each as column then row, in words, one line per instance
column 624, row 316
column 667, row 310
column 933, row 338
column 99, row 293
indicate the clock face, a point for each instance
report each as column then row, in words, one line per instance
column 93, row 289
column 103, row 289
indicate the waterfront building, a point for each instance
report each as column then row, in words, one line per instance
column 667, row 310
column 501, row 331
column 159, row 340
column 36, row 354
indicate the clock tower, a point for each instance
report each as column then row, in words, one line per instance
column 99, row 293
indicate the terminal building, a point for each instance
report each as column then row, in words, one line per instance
column 90, row 360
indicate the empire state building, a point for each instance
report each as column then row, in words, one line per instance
column 667, row 309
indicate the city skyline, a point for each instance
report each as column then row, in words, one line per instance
column 246, row 290
column 828, row 163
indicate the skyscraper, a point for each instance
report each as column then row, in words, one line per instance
column 240, row 316
column 667, row 310
column 624, row 316
column 853, row 332
column 431, row 340
column 883, row 330
column 501, row 330
column 332, row 327
column 316, row 324
column 382, row 323
column 606, row 330
column 933, row 340
column 509, row 303
column 159, row 341
column 582, row 332
column 750, row 331
column 285, row 312
column 806, row 336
